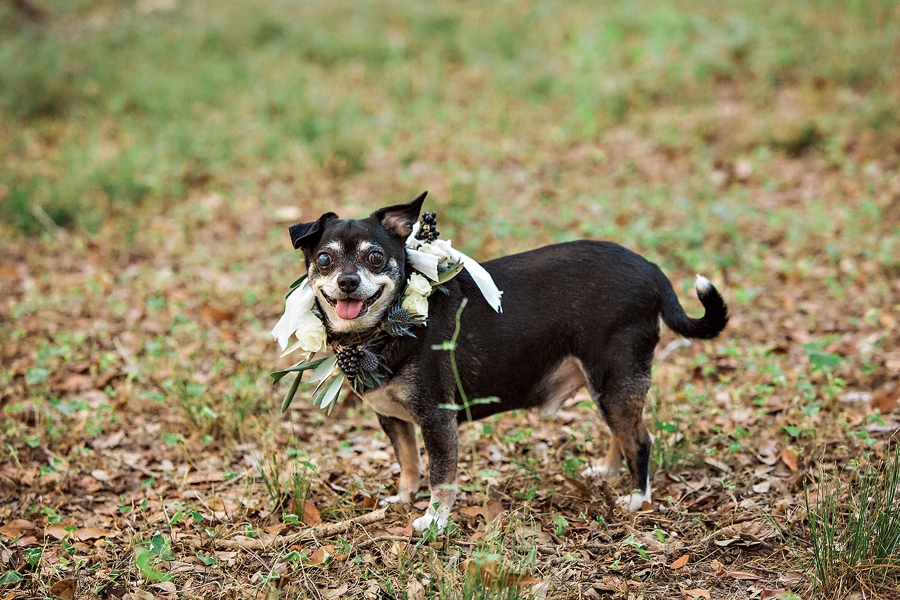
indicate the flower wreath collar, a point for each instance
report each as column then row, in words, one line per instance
column 434, row 262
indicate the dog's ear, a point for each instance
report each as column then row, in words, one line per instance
column 305, row 235
column 400, row 218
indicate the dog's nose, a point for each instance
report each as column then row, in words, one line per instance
column 348, row 282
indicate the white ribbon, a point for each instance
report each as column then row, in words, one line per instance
column 427, row 263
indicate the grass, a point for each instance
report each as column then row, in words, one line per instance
column 854, row 529
column 138, row 105
column 173, row 142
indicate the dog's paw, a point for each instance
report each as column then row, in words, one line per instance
column 433, row 516
column 395, row 499
column 634, row 502
column 601, row 471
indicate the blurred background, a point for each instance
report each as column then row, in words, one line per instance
column 153, row 153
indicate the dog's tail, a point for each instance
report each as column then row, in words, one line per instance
column 706, row 327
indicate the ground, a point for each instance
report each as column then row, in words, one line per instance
column 152, row 155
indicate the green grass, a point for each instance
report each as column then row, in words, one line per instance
column 105, row 107
column 855, row 529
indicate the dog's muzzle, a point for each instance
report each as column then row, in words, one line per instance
column 352, row 308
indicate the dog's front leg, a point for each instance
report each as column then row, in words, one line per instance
column 403, row 438
column 439, row 431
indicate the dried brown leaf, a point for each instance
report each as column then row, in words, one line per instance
column 64, row 589
column 789, row 458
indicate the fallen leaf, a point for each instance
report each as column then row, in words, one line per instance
column 77, row 383
column 100, row 475
column 311, row 515
column 763, row 487
column 743, row 575
column 716, row 566
column 64, row 589
column 82, row 534
column 886, row 401
column 414, row 589
column 214, row 315
column 767, row 593
column 166, row 586
column 789, row 457
column 718, row 464
column 582, row 488
column 17, row 527
column 336, row 592
column 694, row 594
column 680, row 562
column 320, row 555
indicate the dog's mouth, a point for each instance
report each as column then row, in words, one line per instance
column 352, row 308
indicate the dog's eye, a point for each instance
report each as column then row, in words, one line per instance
column 376, row 259
column 323, row 259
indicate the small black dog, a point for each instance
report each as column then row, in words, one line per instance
column 577, row 314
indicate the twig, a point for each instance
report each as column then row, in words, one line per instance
column 47, row 221
column 319, row 531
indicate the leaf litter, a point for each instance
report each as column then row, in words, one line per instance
column 139, row 419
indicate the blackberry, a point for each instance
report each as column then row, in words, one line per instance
column 348, row 360
column 428, row 230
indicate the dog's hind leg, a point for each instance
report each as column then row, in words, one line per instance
column 610, row 465
column 403, row 438
column 622, row 405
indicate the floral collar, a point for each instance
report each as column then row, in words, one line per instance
column 435, row 262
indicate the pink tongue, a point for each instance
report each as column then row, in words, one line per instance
column 348, row 309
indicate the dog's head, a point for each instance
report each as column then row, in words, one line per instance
column 357, row 267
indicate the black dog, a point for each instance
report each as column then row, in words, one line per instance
column 577, row 314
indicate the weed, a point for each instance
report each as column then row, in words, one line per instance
column 854, row 529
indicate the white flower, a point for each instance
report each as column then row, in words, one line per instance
column 311, row 332
column 418, row 285
column 416, row 304
column 435, row 249
column 298, row 303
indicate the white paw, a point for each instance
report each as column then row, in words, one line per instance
column 602, row 471
column 634, row 502
column 395, row 499
column 441, row 516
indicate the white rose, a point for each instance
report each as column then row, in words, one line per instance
column 418, row 285
column 416, row 304
column 311, row 332
column 435, row 249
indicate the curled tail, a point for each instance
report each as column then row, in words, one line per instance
column 706, row 327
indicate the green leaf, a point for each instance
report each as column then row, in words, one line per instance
column 159, row 546
column 295, row 285
column 143, row 559
column 33, row 377
column 206, row 560
column 289, row 397
column 448, row 274
column 10, row 577
column 297, row 368
column 323, row 370
column 329, row 394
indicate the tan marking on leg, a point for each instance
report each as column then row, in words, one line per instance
column 613, row 460
column 410, row 463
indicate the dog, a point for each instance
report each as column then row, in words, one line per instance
column 577, row 314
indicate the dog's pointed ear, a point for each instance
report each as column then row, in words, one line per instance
column 305, row 235
column 400, row 218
